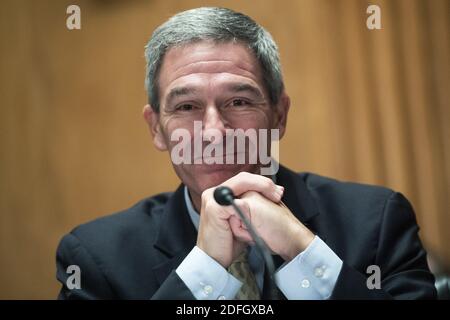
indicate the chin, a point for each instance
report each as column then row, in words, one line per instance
column 201, row 177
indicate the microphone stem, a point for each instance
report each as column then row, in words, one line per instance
column 262, row 248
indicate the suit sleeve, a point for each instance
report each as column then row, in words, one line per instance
column 400, row 257
column 173, row 288
column 93, row 284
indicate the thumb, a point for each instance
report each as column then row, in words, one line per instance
column 237, row 226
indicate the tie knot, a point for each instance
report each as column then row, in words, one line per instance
column 241, row 270
column 243, row 257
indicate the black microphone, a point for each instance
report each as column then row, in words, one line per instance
column 225, row 197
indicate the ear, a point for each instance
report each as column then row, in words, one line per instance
column 282, row 110
column 152, row 119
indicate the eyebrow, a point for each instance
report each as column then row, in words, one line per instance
column 178, row 92
column 242, row 87
column 234, row 87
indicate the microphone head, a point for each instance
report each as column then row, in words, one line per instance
column 223, row 196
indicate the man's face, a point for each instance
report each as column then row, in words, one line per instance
column 220, row 85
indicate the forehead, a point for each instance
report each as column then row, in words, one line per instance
column 207, row 58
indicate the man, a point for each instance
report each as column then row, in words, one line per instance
column 218, row 68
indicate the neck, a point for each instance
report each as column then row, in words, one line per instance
column 196, row 200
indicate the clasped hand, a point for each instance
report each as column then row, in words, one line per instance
column 223, row 236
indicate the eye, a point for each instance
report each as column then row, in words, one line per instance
column 239, row 103
column 185, row 107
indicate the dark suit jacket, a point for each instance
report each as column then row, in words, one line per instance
column 133, row 254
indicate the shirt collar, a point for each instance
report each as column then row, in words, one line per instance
column 195, row 217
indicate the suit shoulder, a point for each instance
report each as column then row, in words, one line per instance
column 143, row 217
column 343, row 188
column 353, row 196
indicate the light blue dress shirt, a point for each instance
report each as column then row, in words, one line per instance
column 311, row 275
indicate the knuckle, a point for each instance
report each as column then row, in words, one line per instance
column 267, row 183
column 242, row 174
column 246, row 174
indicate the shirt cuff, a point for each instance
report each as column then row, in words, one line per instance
column 206, row 278
column 312, row 274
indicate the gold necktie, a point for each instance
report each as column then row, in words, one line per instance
column 241, row 270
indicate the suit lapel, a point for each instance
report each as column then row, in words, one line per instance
column 177, row 235
column 298, row 198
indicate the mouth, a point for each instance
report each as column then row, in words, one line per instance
column 225, row 159
column 217, row 168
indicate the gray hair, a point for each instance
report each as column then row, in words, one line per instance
column 219, row 25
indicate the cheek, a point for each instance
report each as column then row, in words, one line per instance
column 257, row 119
column 176, row 127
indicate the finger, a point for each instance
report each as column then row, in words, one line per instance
column 211, row 206
column 245, row 181
column 239, row 228
column 238, row 231
column 243, row 205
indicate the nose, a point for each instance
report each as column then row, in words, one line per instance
column 212, row 119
